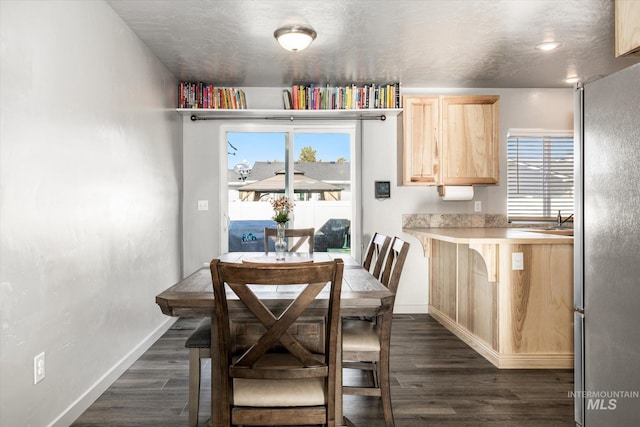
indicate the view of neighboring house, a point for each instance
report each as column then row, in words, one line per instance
column 312, row 181
column 322, row 197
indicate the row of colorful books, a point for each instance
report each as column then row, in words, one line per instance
column 313, row 97
column 203, row 95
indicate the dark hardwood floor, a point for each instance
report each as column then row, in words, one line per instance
column 437, row 381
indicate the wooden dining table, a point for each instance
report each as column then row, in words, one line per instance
column 362, row 295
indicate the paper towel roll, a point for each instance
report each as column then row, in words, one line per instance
column 456, row 193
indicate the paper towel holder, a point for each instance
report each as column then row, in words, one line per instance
column 467, row 195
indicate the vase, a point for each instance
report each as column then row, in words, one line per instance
column 281, row 243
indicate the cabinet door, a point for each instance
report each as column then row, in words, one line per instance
column 470, row 140
column 420, row 150
column 627, row 27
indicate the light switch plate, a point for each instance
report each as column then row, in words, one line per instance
column 203, row 205
column 38, row 368
column 517, row 261
column 477, row 206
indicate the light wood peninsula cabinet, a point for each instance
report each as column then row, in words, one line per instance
column 627, row 27
column 450, row 140
column 515, row 318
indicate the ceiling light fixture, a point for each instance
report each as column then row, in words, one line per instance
column 547, row 46
column 294, row 37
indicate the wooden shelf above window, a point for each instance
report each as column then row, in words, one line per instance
column 352, row 114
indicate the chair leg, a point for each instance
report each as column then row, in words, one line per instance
column 385, row 387
column 194, row 386
column 376, row 374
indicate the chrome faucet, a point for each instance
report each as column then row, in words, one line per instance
column 561, row 221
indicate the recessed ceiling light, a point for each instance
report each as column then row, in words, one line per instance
column 573, row 79
column 546, row 46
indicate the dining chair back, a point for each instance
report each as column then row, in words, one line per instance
column 298, row 235
column 378, row 247
column 366, row 343
column 294, row 384
column 394, row 264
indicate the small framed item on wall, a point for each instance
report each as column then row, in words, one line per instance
column 383, row 189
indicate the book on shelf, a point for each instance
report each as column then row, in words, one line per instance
column 207, row 96
column 351, row 97
column 287, row 100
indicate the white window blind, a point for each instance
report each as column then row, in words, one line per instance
column 539, row 174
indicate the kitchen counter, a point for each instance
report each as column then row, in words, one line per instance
column 485, row 240
column 496, row 235
column 507, row 292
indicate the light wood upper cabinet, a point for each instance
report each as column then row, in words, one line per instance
column 421, row 149
column 470, row 140
column 627, row 27
column 450, row 140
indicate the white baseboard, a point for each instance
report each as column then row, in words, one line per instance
column 69, row 415
column 409, row 309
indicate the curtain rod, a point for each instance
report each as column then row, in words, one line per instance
column 291, row 118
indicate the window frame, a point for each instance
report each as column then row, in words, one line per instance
column 549, row 209
column 349, row 127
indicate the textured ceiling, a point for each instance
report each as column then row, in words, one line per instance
column 420, row 43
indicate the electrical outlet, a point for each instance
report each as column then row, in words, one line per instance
column 517, row 261
column 477, row 206
column 38, row 368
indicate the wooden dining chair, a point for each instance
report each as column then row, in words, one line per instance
column 199, row 345
column 300, row 235
column 376, row 252
column 199, row 342
column 278, row 380
column 366, row 343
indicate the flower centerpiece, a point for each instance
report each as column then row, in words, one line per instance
column 282, row 207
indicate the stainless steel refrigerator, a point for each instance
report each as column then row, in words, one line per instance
column 607, row 251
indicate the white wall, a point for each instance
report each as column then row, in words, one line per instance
column 381, row 144
column 201, row 229
column 91, row 171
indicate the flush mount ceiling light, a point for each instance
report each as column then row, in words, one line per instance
column 294, row 37
column 547, row 46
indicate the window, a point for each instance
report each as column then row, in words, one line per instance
column 539, row 174
column 313, row 165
